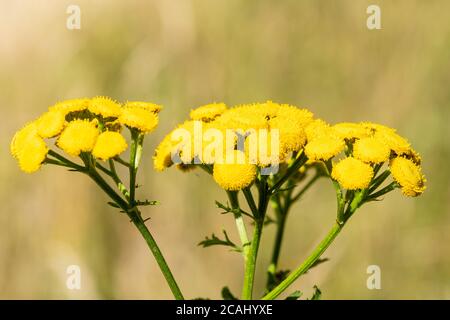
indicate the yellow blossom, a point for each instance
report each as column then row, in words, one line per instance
column 234, row 176
column 20, row 139
column 316, row 129
column 32, row 154
column 349, row 130
column 397, row 143
column 371, row 150
column 408, row 175
column 163, row 155
column 152, row 107
column 139, row 118
column 352, row 173
column 51, row 123
column 324, row 147
column 208, row 112
column 79, row 136
column 105, row 107
column 108, row 145
column 69, row 106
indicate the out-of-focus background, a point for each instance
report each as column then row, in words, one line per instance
column 315, row 54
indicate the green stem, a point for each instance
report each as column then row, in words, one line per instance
column 300, row 161
column 232, row 195
column 250, row 265
column 135, row 157
column 140, row 225
column 304, row 267
column 281, row 222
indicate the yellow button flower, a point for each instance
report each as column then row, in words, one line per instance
column 79, row 136
column 32, row 154
column 316, row 129
column 69, row 106
column 139, row 118
column 105, row 107
column 324, row 147
column 152, row 107
column 163, row 157
column 397, row 143
column 291, row 133
column 20, row 139
column 208, row 112
column 409, row 176
column 349, row 130
column 352, row 173
column 234, row 176
column 109, row 144
column 51, row 123
column 371, row 150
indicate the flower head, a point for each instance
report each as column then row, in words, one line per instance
column 371, row 150
column 69, row 106
column 349, row 130
column 108, row 145
column 408, row 175
column 352, row 173
column 51, row 123
column 208, row 112
column 234, row 176
column 324, row 147
column 139, row 118
column 79, row 136
column 152, row 107
column 105, row 107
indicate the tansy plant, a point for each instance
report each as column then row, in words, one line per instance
column 277, row 152
column 265, row 154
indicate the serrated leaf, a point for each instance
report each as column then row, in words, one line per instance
column 317, row 294
column 227, row 295
column 216, row 241
column 294, row 295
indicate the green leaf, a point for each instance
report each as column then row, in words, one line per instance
column 227, row 209
column 294, row 295
column 317, row 294
column 227, row 295
column 215, row 241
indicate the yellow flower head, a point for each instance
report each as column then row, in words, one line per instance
column 352, row 173
column 208, row 112
column 408, row 175
column 51, row 123
column 163, row 155
column 371, row 150
column 20, row 139
column 394, row 141
column 139, row 118
column 263, row 149
column 324, row 147
column 250, row 116
column 234, row 176
column 316, row 129
column 349, row 130
column 69, row 106
column 109, row 144
column 79, row 136
column 152, row 107
column 32, row 154
column 105, row 107
column 291, row 133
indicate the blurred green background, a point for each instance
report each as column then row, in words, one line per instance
column 315, row 54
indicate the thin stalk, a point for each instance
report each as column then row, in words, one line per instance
column 304, row 267
column 164, row 267
column 240, row 225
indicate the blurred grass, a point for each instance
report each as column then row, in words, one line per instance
column 315, row 54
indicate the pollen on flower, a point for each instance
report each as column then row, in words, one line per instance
column 352, row 173
column 108, row 145
column 152, row 107
column 105, row 107
column 51, row 123
column 139, row 118
column 79, row 136
column 316, row 129
column 324, row 147
column 371, row 150
column 208, row 112
column 234, row 176
column 409, row 176
column 21, row 137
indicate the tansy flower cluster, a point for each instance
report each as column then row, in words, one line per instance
column 80, row 126
column 353, row 152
